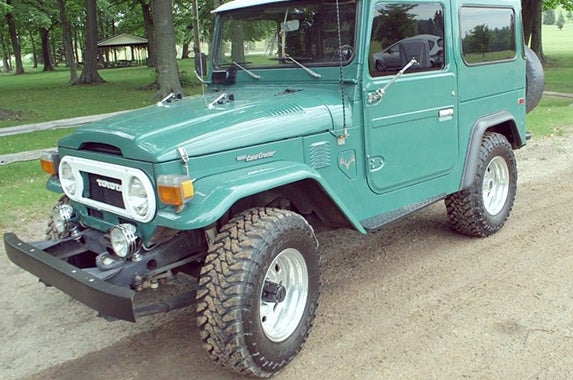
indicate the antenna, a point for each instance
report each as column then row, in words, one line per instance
column 198, row 47
column 341, row 138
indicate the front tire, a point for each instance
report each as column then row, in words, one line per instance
column 482, row 209
column 258, row 291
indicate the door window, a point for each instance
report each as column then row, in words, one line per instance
column 402, row 32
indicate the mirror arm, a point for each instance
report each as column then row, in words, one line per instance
column 379, row 93
column 201, row 79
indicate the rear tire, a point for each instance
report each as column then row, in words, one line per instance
column 258, row 291
column 482, row 209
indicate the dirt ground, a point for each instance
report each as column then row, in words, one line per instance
column 412, row 301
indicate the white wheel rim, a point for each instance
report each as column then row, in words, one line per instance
column 495, row 185
column 280, row 319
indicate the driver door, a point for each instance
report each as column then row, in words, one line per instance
column 411, row 130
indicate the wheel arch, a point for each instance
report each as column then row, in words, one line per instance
column 305, row 196
column 503, row 123
column 226, row 194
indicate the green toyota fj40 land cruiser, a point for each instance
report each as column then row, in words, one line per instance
column 343, row 114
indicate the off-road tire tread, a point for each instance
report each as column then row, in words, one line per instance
column 224, row 275
column 465, row 210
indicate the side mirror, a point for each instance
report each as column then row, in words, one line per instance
column 290, row 26
column 200, row 64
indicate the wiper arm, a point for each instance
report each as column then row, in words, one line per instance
column 251, row 74
column 311, row 72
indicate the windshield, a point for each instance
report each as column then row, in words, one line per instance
column 275, row 35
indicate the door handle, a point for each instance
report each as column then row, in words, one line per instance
column 446, row 113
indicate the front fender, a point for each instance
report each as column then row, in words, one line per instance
column 214, row 195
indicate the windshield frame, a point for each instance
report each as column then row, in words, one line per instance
column 351, row 23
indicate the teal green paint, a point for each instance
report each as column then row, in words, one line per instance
column 287, row 126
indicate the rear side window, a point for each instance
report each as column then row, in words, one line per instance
column 402, row 32
column 488, row 34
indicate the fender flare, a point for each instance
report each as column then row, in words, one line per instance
column 535, row 80
column 479, row 129
column 216, row 194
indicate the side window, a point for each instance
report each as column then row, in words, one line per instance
column 402, row 32
column 488, row 34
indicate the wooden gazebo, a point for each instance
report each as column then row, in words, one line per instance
column 123, row 50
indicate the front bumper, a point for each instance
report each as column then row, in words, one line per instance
column 108, row 299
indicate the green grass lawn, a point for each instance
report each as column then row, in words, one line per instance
column 44, row 96
column 558, row 50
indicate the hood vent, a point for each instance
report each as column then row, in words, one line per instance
column 101, row 148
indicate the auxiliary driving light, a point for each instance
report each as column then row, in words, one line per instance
column 64, row 218
column 124, row 240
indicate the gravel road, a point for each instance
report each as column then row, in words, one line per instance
column 411, row 301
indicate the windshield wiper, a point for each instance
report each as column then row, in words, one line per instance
column 251, row 74
column 314, row 74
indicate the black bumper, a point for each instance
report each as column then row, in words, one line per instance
column 108, row 299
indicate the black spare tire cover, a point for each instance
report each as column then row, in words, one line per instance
column 535, row 80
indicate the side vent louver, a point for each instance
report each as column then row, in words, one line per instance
column 320, row 155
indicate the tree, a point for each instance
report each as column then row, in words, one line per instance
column 167, row 71
column 68, row 45
column 15, row 40
column 548, row 17
column 478, row 40
column 560, row 20
column 6, row 56
column 532, row 11
column 149, row 32
column 46, row 56
column 90, row 74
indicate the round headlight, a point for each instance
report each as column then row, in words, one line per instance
column 137, row 197
column 123, row 239
column 67, row 178
column 62, row 216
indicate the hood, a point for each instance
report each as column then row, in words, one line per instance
column 242, row 117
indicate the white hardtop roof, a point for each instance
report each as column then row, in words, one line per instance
column 238, row 4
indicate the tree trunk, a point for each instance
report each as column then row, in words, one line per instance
column 68, row 46
column 6, row 62
column 6, row 56
column 76, row 52
column 167, row 72
column 196, row 29
column 532, row 13
column 15, row 41
column 45, row 38
column 34, row 53
column 90, row 74
column 185, row 49
column 238, row 46
column 150, row 33
column 536, row 45
column 527, row 19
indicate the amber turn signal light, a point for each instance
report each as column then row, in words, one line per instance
column 175, row 190
column 49, row 162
